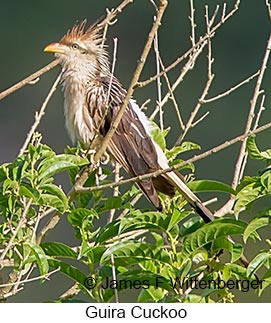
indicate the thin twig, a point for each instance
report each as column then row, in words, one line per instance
column 188, row 66
column 190, row 123
column 172, row 97
column 192, row 21
column 133, row 202
column 45, row 276
column 71, row 292
column 193, row 285
column 113, row 13
column 232, row 89
column 18, row 227
column 268, row 8
column 261, row 110
column 114, row 276
column 28, row 79
column 39, row 115
column 158, row 81
column 116, row 190
column 192, row 49
column 253, row 102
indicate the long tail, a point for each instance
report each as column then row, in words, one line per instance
column 191, row 198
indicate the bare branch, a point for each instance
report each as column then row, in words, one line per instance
column 192, row 21
column 158, row 81
column 268, row 8
column 113, row 13
column 72, row 291
column 20, row 224
column 116, row 190
column 45, row 276
column 172, row 97
column 28, row 79
column 191, row 50
column 232, row 89
column 240, row 160
column 190, row 123
column 39, row 115
column 114, row 276
column 188, row 66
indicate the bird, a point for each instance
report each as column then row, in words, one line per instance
column 92, row 99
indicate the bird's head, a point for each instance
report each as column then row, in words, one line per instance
column 80, row 47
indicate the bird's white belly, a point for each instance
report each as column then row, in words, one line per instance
column 78, row 122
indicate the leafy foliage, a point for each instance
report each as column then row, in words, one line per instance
column 157, row 254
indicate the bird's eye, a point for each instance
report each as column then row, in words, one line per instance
column 75, row 46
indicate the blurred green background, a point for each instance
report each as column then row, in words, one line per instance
column 238, row 47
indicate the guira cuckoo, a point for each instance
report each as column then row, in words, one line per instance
column 92, row 99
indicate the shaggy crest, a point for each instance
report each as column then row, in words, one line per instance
column 78, row 32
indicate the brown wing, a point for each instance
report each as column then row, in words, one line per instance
column 131, row 146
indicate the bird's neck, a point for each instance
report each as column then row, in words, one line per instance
column 77, row 79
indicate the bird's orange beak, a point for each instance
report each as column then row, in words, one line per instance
column 54, row 48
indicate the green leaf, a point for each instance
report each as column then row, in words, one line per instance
column 135, row 279
column 247, row 195
column 129, row 252
column 57, row 249
column 176, row 217
column 70, row 271
column 77, row 216
column 159, row 136
column 235, row 249
column 82, row 221
column 255, row 153
column 265, row 281
column 83, row 199
column 4, row 172
column 206, row 186
column 113, row 202
column 147, row 220
column 265, row 180
column 57, row 192
column 193, row 298
column 189, row 166
column 254, row 225
column 51, row 166
column 151, row 294
column 9, row 184
column 40, row 257
column 50, row 200
column 111, row 230
column 28, row 191
column 237, row 252
column 144, row 221
column 259, row 261
column 18, row 167
column 237, row 271
column 185, row 146
column 210, row 232
column 95, row 253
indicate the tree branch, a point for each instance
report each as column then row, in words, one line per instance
column 28, row 79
